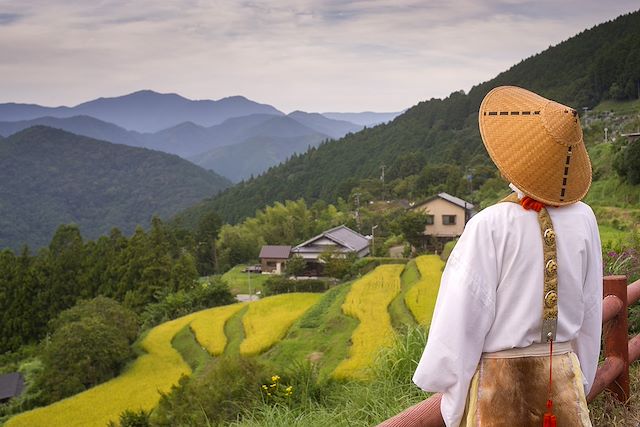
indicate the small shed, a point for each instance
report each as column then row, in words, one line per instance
column 274, row 257
column 11, row 385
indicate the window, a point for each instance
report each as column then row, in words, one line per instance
column 429, row 219
column 448, row 219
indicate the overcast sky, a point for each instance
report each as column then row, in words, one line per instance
column 313, row 55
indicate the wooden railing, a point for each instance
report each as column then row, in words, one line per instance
column 612, row 374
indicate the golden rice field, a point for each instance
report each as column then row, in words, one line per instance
column 267, row 320
column 208, row 327
column 368, row 301
column 137, row 388
column 421, row 298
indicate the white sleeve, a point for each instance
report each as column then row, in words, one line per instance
column 463, row 315
column 587, row 343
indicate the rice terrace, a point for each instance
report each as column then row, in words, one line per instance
column 266, row 323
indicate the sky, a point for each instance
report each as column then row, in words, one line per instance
column 311, row 55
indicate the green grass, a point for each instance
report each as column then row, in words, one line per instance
column 610, row 235
column 400, row 315
column 239, row 281
column 446, row 251
column 234, row 331
column 619, row 107
column 321, row 335
column 192, row 352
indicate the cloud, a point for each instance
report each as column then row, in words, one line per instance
column 299, row 54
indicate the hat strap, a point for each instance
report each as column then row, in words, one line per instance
column 550, row 290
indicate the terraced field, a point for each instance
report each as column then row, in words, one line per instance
column 341, row 330
column 421, row 298
column 368, row 302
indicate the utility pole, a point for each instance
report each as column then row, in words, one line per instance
column 249, row 279
column 357, row 196
column 382, row 179
column 373, row 240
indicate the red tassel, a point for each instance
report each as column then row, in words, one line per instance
column 549, row 418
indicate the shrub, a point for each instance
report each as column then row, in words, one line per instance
column 82, row 354
column 131, row 418
column 209, row 294
column 225, row 388
column 106, row 310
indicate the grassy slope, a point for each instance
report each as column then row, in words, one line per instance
column 321, row 335
column 239, row 281
column 190, row 350
column 234, row 331
column 400, row 315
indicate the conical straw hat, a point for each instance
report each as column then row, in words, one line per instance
column 537, row 144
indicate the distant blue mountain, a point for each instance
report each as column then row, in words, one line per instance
column 260, row 147
column 335, row 128
column 366, row 118
column 80, row 125
column 145, row 111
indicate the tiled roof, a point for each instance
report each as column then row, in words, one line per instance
column 342, row 235
column 275, row 251
column 449, row 198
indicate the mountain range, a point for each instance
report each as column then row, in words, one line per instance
column 597, row 64
column 145, row 110
column 259, row 130
column 50, row 177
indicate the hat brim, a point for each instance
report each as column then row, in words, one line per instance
column 526, row 153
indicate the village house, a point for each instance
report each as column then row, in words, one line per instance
column 340, row 240
column 446, row 217
column 273, row 258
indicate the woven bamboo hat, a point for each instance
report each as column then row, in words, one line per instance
column 537, row 144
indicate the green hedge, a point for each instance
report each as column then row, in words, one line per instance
column 281, row 285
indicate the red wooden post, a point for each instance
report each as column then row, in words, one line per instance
column 616, row 338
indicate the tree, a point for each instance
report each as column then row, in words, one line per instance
column 411, row 224
column 295, row 266
column 337, row 264
column 82, row 354
column 106, row 310
column 205, row 240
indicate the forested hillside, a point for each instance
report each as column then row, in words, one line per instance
column 597, row 64
column 51, row 177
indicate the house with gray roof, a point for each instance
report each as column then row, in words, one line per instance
column 340, row 240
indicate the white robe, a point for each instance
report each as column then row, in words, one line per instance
column 490, row 296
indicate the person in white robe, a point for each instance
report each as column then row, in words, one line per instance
column 491, row 293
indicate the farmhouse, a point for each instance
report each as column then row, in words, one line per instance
column 273, row 258
column 447, row 216
column 11, row 385
column 340, row 240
